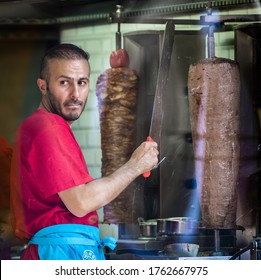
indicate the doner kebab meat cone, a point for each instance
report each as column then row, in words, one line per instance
column 116, row 90
column 214, row 96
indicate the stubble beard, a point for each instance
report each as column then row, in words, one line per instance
column 57, row 108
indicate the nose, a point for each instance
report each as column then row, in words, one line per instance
column 74, row 92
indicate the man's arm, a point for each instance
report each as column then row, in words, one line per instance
column 85, row 198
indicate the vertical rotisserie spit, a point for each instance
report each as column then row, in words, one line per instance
column 214, row 96
column 117, row 92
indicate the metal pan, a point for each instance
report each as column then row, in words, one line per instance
column 181, row 250
column 178, row 225
column 147, row 228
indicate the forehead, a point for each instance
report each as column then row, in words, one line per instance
column 68, row 67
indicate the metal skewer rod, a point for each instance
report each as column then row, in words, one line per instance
column 118, row 33
column 211, row 39
column 217, row 240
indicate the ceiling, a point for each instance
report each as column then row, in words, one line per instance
column 15, row 12
column 51, row 8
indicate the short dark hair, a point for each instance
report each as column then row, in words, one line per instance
column 61, row 51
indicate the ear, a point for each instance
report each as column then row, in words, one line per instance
column 42, row 85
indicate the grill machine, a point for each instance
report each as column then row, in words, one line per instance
column 173, row 181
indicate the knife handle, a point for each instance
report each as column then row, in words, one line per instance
column 147, row 173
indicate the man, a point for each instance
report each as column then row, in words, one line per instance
column 53, row 197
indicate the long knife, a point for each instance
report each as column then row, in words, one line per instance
column 162, row 80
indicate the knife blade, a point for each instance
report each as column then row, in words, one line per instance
column 162, row 80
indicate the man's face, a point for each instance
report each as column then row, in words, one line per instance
column 67, row 88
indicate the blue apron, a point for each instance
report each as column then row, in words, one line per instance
column 71, row 242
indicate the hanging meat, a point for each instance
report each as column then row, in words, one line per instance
column 214, row 92
column 116, row 91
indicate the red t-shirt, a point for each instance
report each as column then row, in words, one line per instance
column 49, row 160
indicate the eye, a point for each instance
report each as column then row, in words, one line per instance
column 82, row 82
column 64, row 82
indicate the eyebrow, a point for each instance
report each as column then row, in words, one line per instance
column 70, row 78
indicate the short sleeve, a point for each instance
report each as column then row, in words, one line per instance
column 56, row 160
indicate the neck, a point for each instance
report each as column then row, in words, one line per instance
column 43, row 107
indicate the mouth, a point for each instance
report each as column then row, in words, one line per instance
column 73, row 105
